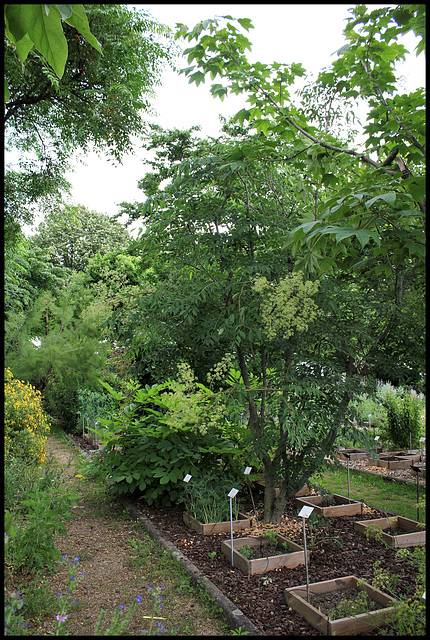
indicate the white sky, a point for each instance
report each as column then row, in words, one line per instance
column 286, row 33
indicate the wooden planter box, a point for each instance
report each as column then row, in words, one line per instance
column 296, row 598
column 217, row 527
column 391, row 462
column 341, row 507
column 354, row 454
column 410, row 538
column 291, row 558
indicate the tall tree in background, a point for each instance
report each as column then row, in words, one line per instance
column 72, row 235
column 99, row 102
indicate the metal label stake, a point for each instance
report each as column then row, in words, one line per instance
column 231, row 496
column 422, row 440
column 347, row 470
column 304, row 513
column 186, row 480
column 247, row 472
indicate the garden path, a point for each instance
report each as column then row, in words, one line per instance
column 100, row 533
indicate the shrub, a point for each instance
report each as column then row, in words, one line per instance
column 34, row 513
column 62, row 401
column 94, row 405
column 164, row 432
column 404, row 409
column 26, row 425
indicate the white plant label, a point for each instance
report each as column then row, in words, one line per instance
column 305, row 511
column 233, row 493
column 376, row 438
column 247, row 471
column 422, row 439
column 187, row 477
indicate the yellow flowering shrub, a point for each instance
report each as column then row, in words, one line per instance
column 26, row 425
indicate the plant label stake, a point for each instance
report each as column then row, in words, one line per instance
column 376, row 438
column 347, row 470
column 247, row 472
column 417, row 470
column 231, row 496
column 304, row 513
column 186, row 480
column 422, row 440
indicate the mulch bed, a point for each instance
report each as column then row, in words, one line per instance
column 335, row 551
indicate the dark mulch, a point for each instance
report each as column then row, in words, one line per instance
column 335, row 551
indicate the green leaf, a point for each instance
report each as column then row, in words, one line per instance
column 45, row 31
column 6, row 91
column 79, row 20
column 245, row 23
column 389, row 198
column 64, row 9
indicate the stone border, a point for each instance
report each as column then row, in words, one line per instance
column 235, row 617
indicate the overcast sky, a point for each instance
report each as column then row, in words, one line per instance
column 303, row 33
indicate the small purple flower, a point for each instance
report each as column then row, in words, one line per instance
column 139, row 598
column 61, row 618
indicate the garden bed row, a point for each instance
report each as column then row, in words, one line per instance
column 271, row 588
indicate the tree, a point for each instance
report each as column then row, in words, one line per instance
column 98, row 102
column 288, row 354
column 381, row 206
column 73, row 235
column 226, row 290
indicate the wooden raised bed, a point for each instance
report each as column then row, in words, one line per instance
column 296, row 598
column 244, row 522
column 291, row 558
column 354, row 454
column 342, row 506
column 394, row 462
column 414, row 535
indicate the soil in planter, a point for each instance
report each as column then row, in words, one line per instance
column 400, row 532
column 329, row 602
column 264, row 551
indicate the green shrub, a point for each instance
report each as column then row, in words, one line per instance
column 63, row 401
column 409, row 615
column 163, row 432
column 92, row 406
column 365, row 405
column 26, row 425
column 404, row 410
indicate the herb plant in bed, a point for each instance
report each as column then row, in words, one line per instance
column 254, row 555
column 342, row 606
column 397, row 532
column 209, row 505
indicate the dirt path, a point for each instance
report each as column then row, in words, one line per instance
column 115, row 572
